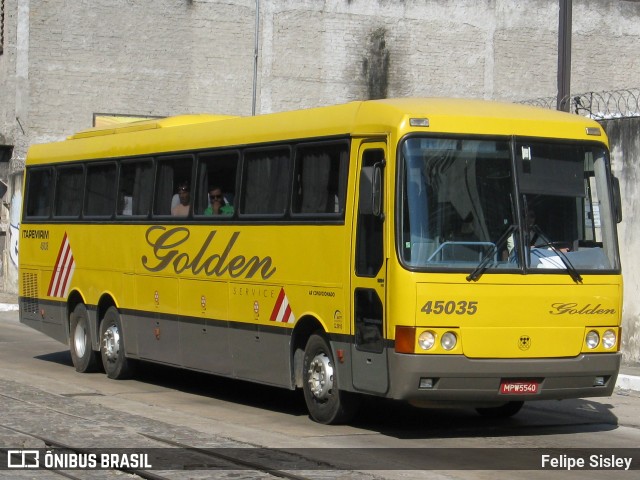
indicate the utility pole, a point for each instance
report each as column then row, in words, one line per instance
column 564, row 56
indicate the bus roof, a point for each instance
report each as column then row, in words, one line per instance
column 372, row 117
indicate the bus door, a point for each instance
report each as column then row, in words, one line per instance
column 369, row 359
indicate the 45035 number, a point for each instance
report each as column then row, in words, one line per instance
column 438, row 307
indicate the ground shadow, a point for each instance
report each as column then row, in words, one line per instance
column 62, row 358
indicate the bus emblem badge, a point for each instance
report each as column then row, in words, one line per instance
column 524, row 342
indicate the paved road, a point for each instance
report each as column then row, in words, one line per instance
column 42, row 396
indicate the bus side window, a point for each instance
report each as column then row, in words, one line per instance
column 69, row 189
column 171, row 172
column 39, row 184
column 216, row 170
column 265, row 181
column 319, row 178
column 134, row 188
column 100, row 194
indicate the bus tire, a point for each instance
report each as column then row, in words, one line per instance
column 83, row 357
column 507, row 410
column 326, row 403
column 116, row 365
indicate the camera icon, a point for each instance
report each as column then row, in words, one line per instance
column 23, row 459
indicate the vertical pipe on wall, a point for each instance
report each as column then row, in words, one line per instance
column 255, row 59
column 564, row 56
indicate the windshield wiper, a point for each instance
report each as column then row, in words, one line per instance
column 573, row 273
column 484, row 263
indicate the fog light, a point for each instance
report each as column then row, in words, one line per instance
column 449, row 341
column 598, row 382
column 609, row 339
column 593, row 339
column 426, row 340
column 426, row 383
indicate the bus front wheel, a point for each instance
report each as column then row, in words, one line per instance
column 83, row 357
column 116, row 365
column 325, row 401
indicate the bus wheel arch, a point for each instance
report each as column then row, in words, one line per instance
column 305, row 327
column 106, row 301
column 112, row 346
column 74, row 299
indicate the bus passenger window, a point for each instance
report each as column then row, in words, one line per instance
column 172, row 173
column 100, row 194
column 266, row 181
column 134, row 188
column 69, row 188
column 215, row 191
column 320, row 171
column 38, row 198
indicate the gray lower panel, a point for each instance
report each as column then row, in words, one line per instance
column 49, row 318
column 261, row 354
column 244, row 351
column 204, row 345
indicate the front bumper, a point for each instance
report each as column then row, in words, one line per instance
column 461, row 379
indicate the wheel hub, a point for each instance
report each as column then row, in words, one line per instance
column 320, row 376
column 111, row 343
column 80, row 340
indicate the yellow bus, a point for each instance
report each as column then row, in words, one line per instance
column 434, row 251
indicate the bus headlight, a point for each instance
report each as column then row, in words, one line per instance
column 609, row 339
column 426, row 340
column 593, row 339
column 449, row 341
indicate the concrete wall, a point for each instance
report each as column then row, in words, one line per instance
column 65, row 60
column 624, row 138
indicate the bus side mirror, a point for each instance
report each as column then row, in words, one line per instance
column 617, row 198
column 370, row 202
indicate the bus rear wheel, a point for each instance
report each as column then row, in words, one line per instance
column 83, row 357
column 509, row 409
column 116, row 365
column 326, row 403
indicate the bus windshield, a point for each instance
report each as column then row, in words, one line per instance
column 528, row 204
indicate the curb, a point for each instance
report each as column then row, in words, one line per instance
column 8, row 307
column 628, row 383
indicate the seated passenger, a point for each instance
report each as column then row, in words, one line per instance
column 184, row 193
column 218, row 204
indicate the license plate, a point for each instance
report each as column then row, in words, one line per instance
column 519, row 387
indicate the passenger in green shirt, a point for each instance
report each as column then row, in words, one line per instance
column 218, row 205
